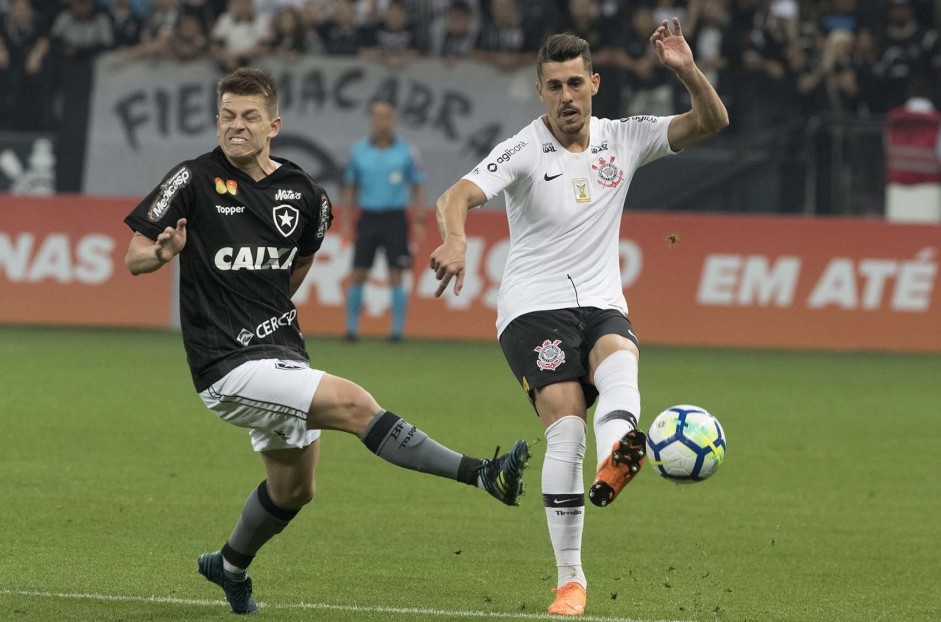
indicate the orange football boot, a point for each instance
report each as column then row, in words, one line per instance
column 620, row 467
column 569, row 600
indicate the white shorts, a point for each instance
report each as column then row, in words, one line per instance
column 269, row 396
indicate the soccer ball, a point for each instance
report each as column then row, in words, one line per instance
column 686, row 444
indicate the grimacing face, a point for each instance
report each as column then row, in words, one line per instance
column 566, row 89
column 244, row 126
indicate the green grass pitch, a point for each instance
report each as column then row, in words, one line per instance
column 115, row 477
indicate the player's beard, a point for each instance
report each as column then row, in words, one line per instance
column 571, row 129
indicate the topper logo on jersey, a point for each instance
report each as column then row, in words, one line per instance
column 257, row 258
column 168, row 190
column 550, row 355
column 610, row 175
column 285, row 217
column 286, row 195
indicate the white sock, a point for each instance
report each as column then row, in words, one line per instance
column 563, row 494
column 618, row 409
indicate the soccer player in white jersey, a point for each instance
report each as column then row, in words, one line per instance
column 561, row 312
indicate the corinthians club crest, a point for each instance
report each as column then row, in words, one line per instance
column 285, row 217
column 550, row 355
column 609, row 175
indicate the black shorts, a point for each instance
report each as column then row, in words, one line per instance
column 545, row 347
column 388, row 229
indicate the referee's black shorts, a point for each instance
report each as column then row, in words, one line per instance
column 546, row 347
column 387, row 229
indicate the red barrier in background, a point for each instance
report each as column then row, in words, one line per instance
column 62, row 262
column 757, row 281
column 753, row 281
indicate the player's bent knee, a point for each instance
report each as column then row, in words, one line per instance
column 343, row 405
column 293, row 497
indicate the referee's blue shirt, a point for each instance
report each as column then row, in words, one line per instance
column 383, row 177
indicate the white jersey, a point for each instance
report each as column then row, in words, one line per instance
column 564, row 211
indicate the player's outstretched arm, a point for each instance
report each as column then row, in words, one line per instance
column 708, row 115
column 448, row 259
column 145, row 255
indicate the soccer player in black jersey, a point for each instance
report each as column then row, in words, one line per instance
column 246, row 226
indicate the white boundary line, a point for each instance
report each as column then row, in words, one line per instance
column 430, row 612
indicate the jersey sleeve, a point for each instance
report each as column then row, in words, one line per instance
column 165, row 204
column 509, row 161
column 647, row 135
column 312, row 237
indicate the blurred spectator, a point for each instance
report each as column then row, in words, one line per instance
column 705, row 30
column 393, row 40
column 762, row 52
column 158, row 29
column 289, row 38
column 770, row 57
column 208, row 11
column 830, row 83
column 239, row 35
column 314, row 14
column 124, row 23
column 453, row 35
column 79, row 34
column 425, row 16
column 913, row 157
column 667, row 10
column 649, row 82
column 24, row 76
column 600, row 23
column 81, row 31
column 908, row 48
column 341, row 35
column 839, row 15
column 504, row 41
column 542, row 18
column 190, row 40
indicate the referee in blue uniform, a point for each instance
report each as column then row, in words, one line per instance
column 383, row 178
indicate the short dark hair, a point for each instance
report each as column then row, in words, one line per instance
column 560, row 48
column 250, row 81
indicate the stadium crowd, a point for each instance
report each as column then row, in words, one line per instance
column 771, row 60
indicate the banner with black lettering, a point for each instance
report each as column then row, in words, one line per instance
column 146, row 116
